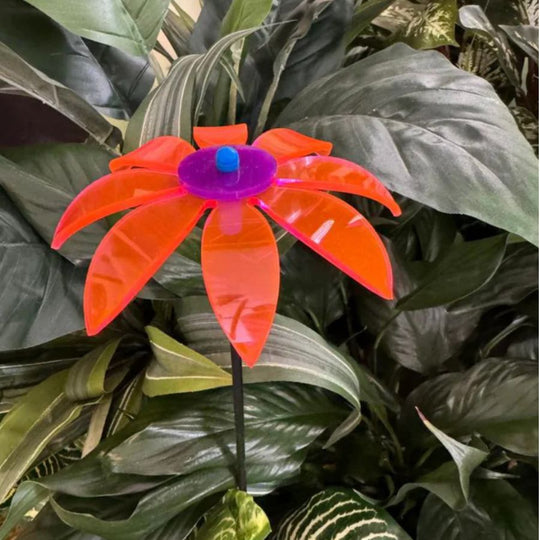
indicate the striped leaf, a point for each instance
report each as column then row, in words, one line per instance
column 340, row 514
column 30, row 425
column 176, row 368
column 235, row 517
column 175, row 104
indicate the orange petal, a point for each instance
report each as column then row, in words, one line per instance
column 131, row 252
column 218, row 135
column 334, row 174
column 113, row 193
column 335, row 231
column 240, row 265
column 160, row 154
column 286, row 144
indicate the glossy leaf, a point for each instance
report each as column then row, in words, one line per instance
column 444, row 482
column 235, row 517
column 293, row 352
column 176, row 368
column 474, row 18
column 30, row 425
column 497, row 398
column 497, row 512
column 17, row 73
column 109, row 79
column 421, row 340
column 270, row 411
column 340, row 513
column 466, row 458
column 462, row 270
column 48, row 281
column 42, row 180
column 210, row 416
column 86, row 378
column 364, row 13
column 525, row 37
column 130, row 25
column 515, row 278
column 434, row 140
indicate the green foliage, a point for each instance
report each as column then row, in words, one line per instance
column 235, row 517
column 439, row 100
column 340, row 513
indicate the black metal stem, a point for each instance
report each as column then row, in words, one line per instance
column 238, row 403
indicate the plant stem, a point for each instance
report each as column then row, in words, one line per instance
column 238, row 403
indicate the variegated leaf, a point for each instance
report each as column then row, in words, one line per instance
column 340, row 514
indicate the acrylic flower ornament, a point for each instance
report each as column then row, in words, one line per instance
column 172, row 185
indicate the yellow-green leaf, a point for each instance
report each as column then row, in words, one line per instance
column 235, row 517
column 34, row 420
column 176, row 368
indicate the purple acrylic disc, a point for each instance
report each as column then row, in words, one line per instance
column 199, row 174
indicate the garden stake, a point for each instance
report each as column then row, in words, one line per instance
column 173, row 185
column 238, row 403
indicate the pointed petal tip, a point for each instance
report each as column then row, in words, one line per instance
column 57, row 242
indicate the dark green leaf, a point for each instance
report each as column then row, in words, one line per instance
column 516, row 277
column 400, row 114
column 42, row 180
column 525, row 37
column 293, row 352
column 462, row 270
column 466, row 458
column 420, row 340
column 497, row 398
column 317, row 300
column 496, row 512
column 474, row 19
column 364, row 13
column 17, row 73
column 130, row 25
column 41, row 292
column 280, row 421
column 109, row 79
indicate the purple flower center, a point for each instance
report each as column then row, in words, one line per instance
column 227, row 173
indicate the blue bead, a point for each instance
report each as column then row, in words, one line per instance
column 227, row 159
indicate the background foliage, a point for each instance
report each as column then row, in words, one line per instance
column 364, row 418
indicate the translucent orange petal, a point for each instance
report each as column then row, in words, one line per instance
column 131, row 252
column 286, row 144
column 334, row 174
column 213, row 136
column 240, row 265
column 160, row 154
column 113, row 193
column 334, row 230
